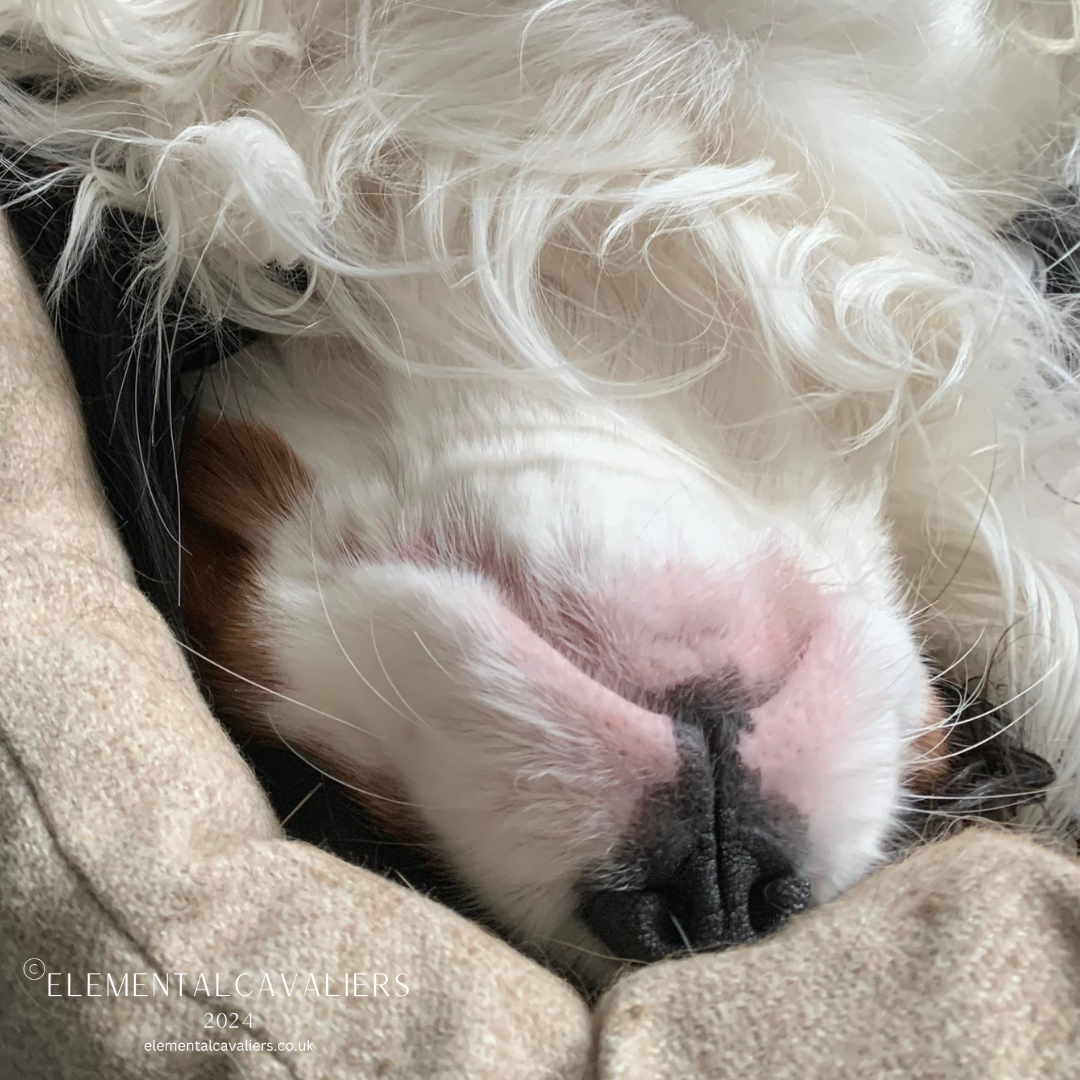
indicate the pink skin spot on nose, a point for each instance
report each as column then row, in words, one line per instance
column 635, row 745
column 796, row 731
column 678, row 625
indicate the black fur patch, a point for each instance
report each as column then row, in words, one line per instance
column 988, row 775
column 1053, row 232
column 133, row 413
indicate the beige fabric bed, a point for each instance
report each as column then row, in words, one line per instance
column 133, row 841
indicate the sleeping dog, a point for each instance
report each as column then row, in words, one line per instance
column 639, row 473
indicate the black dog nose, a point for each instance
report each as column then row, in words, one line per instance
column 730, row 893
column 707, row 869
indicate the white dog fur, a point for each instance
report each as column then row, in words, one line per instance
column 636, row 342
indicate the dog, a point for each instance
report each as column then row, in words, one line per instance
column 640, row 469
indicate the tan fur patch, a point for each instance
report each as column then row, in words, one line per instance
column 929, row 750
column 237, row 480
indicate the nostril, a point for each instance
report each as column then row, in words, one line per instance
column 758, row 886
column 772, row 901
column 674, row 906
column 635, row 925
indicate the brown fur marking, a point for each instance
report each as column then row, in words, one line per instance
column 237, row 480
column 930, row 750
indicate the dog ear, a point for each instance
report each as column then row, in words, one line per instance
column 985, row 773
